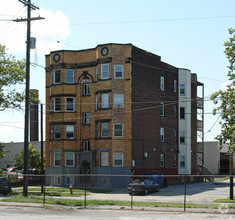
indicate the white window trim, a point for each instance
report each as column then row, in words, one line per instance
column 115, row 77
column 55, row 104
column 66, row 104
column 102, row 65
column 162, row 136
column 66, row 159
column 114, row 159
column 66, row 76
column 162, row 86
column 55, row 159
column 56, row 83
column 118, row 104
column 103, row 104
column 102, row 163
column 72, row 126
column 114, row 129
column 55, row 182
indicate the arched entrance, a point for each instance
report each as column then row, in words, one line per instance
column 85, row 169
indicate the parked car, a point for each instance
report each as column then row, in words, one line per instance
column 12, row 170
column 5, row 186
column 143, row 187
column 31, row 173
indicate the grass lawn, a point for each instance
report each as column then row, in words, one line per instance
column 58, row 191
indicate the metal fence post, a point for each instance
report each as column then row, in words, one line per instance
column 185, row 186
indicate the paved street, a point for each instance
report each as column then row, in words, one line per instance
column 32, row 213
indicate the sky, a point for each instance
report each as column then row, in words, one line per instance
column 186, row 34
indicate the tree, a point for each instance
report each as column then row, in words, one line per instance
column 2, row 152
column 226, row 99
column 12, row 72
column 34, row 158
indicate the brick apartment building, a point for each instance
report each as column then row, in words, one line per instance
column 117, row 108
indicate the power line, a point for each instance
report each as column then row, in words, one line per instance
column 154, row 20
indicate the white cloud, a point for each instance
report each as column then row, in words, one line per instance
column 55, row 27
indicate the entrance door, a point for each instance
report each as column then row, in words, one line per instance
column 85, row 169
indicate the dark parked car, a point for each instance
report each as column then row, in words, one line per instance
column 5, row 186
column 143, row 187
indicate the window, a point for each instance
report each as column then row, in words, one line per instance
column 96, row 102
column 69, row 159
column 104, row 71
column 57, row 180
column 182, row 89
column 69, row 76
column 96, row 73
column 57, row 104
column 69, row 131
column 182, row 161
column 118, row 130
column 174, row 135
column 175, row 160
column 86, row 145
column 162, row 134
column 162, row 108
column 57, row 131
column 182, row 112
column 162, row 160
column 86, row 118
column 118, row 159
column 104, row 158
column 57, row 77
column 104, row 130
column 175, row 111
column 86, row 89
column 175, row 86
column 118, row 71
column 118, row 101
column 57, row 158
column 162, row 83
column 69, row 104
column 105, row 100
column 182, row 137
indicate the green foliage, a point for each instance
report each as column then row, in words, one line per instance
column 12, row 72
column 34, row 158
column 2, row 152
column 226, row 99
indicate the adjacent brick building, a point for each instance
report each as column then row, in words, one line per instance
column 117, row 108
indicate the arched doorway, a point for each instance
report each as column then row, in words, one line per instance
column 85, row 169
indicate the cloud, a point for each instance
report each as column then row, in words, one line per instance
column 55, row 27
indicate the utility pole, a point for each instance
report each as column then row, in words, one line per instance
column 26, row 128
column 42, row 148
